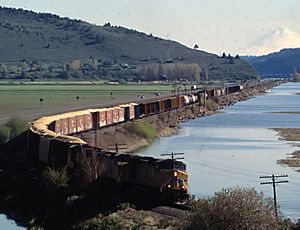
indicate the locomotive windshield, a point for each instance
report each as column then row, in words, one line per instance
column 171, row 164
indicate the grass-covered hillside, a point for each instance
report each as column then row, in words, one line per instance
column 39, row 45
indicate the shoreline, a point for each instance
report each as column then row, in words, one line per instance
column 292, row 135
column 130, row 139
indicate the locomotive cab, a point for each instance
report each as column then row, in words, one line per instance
column 177, row 178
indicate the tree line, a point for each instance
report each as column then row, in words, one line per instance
column 171, row 71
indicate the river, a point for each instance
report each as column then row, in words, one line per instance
column 237, row 146
column 7, row 224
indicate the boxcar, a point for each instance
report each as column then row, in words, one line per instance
column 180, row 101
column 72, row 124
column 137, row 113
column 174, row 103
column 142, row 110
column 88, row 121
column 162, row 105
column 167, row 104
column 115, row 114
column 80, row 122
column 121, row 114
column 109, row 116
column 101, row 117
column 128, row 112
column 65, row 126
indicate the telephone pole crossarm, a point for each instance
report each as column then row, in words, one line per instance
column 274, row 182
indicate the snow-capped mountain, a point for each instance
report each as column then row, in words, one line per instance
column 274, row 42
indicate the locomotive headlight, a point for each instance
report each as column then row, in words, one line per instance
column 182, row 187
column 175, row 173
column 169, row 186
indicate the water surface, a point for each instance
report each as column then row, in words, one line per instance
column 237, row 146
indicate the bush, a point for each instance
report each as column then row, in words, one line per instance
column 236, row 208
column 55, row 178
column 211, row 105
column 4, row 134
column 17, row 126
column 111, row 222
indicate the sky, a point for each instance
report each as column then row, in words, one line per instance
column 216, row 26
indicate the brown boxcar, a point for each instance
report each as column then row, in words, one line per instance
column 167, row 104
column 174, row 103
column 180, row 101
column 121, row 114
column 131, row 110
column 109, row 116
column 102, row 117
column 65, row 126
column 88, row 124
column 72, row 125
column 55, row 126
column 80, row 123
column 142, row 109
column 152, row 108
column 162, row 105
column 115, row 114
column 147, row 109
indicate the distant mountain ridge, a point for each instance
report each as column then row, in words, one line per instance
column 280, row 64
column 32, row 37
column 274, row 42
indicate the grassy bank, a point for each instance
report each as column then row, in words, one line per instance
column 290, row 134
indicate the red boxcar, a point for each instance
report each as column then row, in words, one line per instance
column 109, row 116
column 121, row 114
column 65, row 126
column 174, row 103
column 180, row 101
column 80, row 123
column 72, row 124
column 56, row 126
column 88, row 124
column 115, row 114
column 162, row 105
column 102, row 117
column 147, row 109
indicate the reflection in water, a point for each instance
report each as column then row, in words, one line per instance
column 237, row 146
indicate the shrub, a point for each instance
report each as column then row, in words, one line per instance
column 55, row 178
column 236, row 208
column 111, row 222
column 211, row 105
column 4, row 134
column 17, row 126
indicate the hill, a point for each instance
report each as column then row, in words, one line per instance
column 280, row 64
column 41, row 45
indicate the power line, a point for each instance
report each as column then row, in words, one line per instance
column 274, row 182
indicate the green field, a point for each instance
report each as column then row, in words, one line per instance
column 23, row 99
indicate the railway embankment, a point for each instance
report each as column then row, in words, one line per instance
column 134, row 135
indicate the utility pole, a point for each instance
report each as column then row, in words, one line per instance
column 274, row 182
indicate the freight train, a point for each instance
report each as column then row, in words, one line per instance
column 50, row 142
